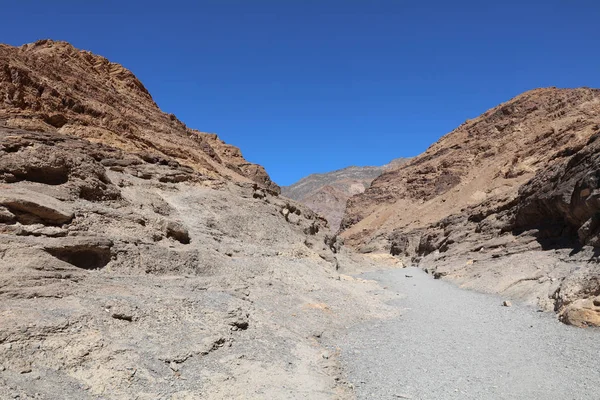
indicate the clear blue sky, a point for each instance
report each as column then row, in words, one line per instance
column 305, row 86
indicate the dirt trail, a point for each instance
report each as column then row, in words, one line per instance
column 450, row 343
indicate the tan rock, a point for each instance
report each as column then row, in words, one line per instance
column 29, row 206
column 103, row 101
column 328, row 193
column 464, row 168
column 177, row 231
column 515, row 190
column 104, row 302
column 580, row 316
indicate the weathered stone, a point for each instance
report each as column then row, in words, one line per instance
column 30, row 206
column 82, row 252
column 6, row 217
column 580, row 316
column 177, row 231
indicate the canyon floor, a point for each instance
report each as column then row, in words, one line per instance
column 449, row 343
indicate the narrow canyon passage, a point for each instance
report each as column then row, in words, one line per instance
column 450, row 343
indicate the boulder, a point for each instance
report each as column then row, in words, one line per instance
column 177, row 231
column 581, row 314
column 30, row 207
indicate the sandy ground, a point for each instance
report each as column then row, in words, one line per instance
column 449, row 343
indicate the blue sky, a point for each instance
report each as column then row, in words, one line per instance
column 305, row 86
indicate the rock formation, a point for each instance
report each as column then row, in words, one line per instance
column 143, row 259
column 328, row 193
column 507, row 202
column 50, row 86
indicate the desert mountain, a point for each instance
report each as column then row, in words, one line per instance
column 143, row 259
column 328, row 193
column 140, row 258
column 50, row 86
column 507, row 202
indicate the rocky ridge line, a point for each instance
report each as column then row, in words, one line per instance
column 328, row 193
column 505, row 203
column 50, row 86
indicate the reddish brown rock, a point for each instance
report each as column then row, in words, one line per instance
column 51, row 86
column 328, row 193
column 508, row 202
column 486, row 159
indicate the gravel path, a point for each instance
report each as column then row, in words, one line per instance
column 451, row 343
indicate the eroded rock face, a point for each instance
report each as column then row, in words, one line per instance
column 139, row 258
column 486, row 158
column 50, row 86
column 328, row 193
column 564, row 201
column 507, row 202
column 30, row 207
column 185, row 274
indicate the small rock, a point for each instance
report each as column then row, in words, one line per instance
column 174, row 367
column 507, row 303
column 408, row 276
column 326, row 355
column 123, row 312
column 177, row 231
column 122, row 316
column 6, row 216
column 259, row 194
column 597, row 301
column 144, row 175
column 241, row 325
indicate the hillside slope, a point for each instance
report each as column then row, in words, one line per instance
column 142, row 259
column 506, row 202
column 328, row 193
column 50, row 86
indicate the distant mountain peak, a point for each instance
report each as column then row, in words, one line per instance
column 327, row 193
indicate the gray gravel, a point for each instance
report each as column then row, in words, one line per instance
column 450, row 343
